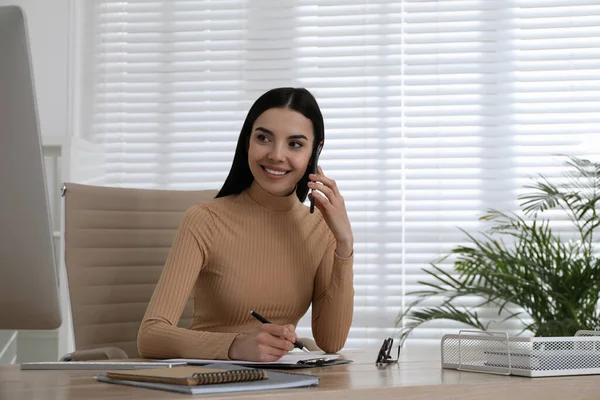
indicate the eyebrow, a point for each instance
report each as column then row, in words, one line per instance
column 265, row 130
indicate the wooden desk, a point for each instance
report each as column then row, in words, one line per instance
column 417, row 376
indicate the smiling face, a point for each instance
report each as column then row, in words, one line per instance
column 280, row 148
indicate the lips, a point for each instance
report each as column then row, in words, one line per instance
column 275, row 170
column 274, row 173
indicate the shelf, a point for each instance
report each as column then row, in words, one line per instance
column 54, row 140
column 58, row 142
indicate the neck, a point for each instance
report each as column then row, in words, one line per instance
column 270, row 201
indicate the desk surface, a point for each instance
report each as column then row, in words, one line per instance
column 418, row 376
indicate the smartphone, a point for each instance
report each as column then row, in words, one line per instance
column 314, row 171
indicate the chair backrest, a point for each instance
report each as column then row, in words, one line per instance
column 116, row 244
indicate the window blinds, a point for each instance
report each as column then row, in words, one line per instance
column 434, row 111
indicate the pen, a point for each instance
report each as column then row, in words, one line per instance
column 262, row 319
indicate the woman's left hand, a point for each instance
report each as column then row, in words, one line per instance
column 331, row 204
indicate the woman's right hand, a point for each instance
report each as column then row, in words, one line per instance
column 269, row 343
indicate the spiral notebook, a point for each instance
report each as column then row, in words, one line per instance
column 190, row 375
column 275, row 380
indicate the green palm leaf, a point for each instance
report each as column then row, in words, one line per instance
column 446, row 311
column 521, row 262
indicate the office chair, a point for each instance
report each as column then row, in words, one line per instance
column 116, row 243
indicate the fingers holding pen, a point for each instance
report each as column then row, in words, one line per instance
column 284, row 333
column 270, row 342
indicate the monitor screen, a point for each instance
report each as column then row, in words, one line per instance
column 29, row 296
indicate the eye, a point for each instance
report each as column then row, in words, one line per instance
column 296, row 145
column 262, row 138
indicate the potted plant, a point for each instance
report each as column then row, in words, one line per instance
column 521, row 263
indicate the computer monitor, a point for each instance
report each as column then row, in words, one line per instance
column 29, row 297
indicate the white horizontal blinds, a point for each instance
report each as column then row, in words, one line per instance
column 450, row 109
column 170, row 90
column 492, row 90
column 349, row 55
column 557, row 101
column 175, row 80
column 556, row 89
column 556, row 46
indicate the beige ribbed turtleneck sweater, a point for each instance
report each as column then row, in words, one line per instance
column 252, row 251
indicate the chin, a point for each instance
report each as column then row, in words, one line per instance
column 275, row 189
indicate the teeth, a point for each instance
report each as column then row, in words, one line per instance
column 271, row 171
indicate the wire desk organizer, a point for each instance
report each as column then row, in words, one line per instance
column 498, row 353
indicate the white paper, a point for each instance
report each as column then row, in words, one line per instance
column 289, row 359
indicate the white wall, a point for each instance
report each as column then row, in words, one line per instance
column 49, row 26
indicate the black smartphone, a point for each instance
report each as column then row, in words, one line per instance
column 314, row 171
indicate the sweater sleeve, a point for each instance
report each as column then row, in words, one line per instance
column 333, row 300
column 159, row 336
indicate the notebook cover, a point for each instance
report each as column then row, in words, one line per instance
column 276, row 380
column 190, row 375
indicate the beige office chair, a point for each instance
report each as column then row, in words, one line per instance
column 116, row 244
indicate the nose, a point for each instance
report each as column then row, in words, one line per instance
column 276, row 154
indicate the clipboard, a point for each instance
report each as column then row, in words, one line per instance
column 286, row 362
column 311, row 363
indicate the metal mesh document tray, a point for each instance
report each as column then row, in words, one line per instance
column 497, row 353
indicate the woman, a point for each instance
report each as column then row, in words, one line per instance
column 256, row 246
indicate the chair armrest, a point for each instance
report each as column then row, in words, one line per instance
column 101, row 353
column 310, row 344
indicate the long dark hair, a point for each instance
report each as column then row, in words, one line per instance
column 297, row 99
